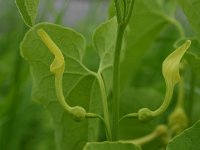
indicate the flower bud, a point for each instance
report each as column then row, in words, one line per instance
column 178, row 120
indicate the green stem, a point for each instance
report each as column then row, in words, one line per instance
column 129, row 13
column 125, row 9
column 92, row 115
column 131, row 115
column 59, row 93
column 122, row 24
column 166, row 101
column 143, row 140
column 118, row 11
column 116, row 79
column 105, row 107
column 160, row 131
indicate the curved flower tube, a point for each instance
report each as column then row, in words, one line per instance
column 170, row 71
column 57, row 68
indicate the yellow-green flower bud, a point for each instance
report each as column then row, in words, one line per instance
column 178, row 120
column 161, row 130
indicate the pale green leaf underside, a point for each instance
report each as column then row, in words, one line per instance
column 110, row 146
column 104, row 41
column 188, row 140
column 80, row 86
column 28, row 10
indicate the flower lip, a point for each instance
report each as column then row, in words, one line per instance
column 170, row 66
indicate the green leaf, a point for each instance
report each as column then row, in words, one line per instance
column 104, row 42
column 187, row 140
column 148, row 20
column 191, row 10
column 146, row 74
column 80, row 86
column 110, row 146
column 192, row 70
column 77, row 81
column 28, row 10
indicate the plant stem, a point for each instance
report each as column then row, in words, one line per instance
column 105, row 107
column 116, row 81
column 122, row 24
column 160, row 131
column 166, row 101
column 118, row 10
column 122, row 21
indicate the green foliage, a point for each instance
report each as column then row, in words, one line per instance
column 75, row 76
column 28, row 10
column 142, row 33
column 86, row 105
column 82, row 86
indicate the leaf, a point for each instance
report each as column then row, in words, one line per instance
column 149, row 74
column 104, row 42
column 110, row 146
column 192, row 70
column 28, row 10
column 187, row 140
column 191, row 10
column 148, row 20
column 80, row 86
column 77, row 81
